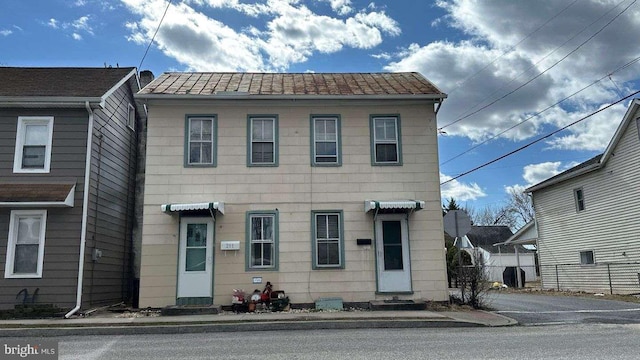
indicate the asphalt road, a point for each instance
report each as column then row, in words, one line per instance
column 533, row 309
column 582, row 341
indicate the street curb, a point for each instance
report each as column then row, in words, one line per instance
column 511, row 321
column 233, row 327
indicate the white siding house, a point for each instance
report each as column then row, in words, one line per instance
column 587, row 218
column 325, row 185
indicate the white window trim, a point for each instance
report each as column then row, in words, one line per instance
column 273, row 139
column 189, row 141
column 271, row 241
column 23, row 121
column 593, row 257
column 13, row 237
column 131, row 117
column 316, row 141
column 395, row 142
column 317, row 240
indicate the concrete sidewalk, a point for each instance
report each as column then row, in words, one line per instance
column 110, row 324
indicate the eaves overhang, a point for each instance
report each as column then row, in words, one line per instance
column 243, row 96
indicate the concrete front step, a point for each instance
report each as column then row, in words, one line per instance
column 190, row 310
column 397, row 305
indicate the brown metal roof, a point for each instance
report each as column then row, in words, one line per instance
column 291, row 84
column 34, row 192
column 63, row 82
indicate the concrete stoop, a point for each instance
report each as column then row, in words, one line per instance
column 397, row 305
column 190, row 310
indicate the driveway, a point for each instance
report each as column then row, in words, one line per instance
column 534, row 309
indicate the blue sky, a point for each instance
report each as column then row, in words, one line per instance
column 506, row 60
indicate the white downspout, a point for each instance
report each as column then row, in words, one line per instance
column 85, row 212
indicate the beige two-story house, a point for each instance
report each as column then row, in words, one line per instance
column 325, row 185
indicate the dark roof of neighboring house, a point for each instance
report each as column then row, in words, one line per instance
column 598, row 161
column 594, row 160
column 59, row 81
column 485, row 236
column 292, row 84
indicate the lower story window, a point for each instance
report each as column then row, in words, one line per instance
column 25, row 248
column 586, row 257
column 327, row 239
column 262, row 240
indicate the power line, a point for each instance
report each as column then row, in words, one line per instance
column 539, row 139
column 154, row 34
column 547, row 69
column 547, row 108
column 511, row 48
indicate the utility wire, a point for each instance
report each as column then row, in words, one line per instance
column 139, row 66
column 547, row 108
column 540, row 139
column 154, row 34
column 459, row 85
column 544, row 71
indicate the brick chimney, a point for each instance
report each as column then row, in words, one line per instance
column 146, row 76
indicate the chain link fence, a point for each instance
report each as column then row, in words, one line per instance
column 611, row 278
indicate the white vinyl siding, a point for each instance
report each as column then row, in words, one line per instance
column 25, row 248
column 33, row 144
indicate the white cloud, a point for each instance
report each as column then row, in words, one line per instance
column 18, row 27
column 6, row 32
column 81, row 24
column 80, row 3
column 291, row 33
column 76, row 36
column 536, row 173
column 382, row 56
column 460, row 191
column 53, row 23
column 486, row 67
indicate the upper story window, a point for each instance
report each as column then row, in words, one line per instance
column 328, row 239
column 131, row 119
column 201, row 139
column 262, row 240
column 33, row 144
column 578, row 194
column 325, row 135
column 262, row 144
column 25, row 247
column 386, row 147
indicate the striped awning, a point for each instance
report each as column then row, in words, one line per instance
column 213, row 206
column 393, row 205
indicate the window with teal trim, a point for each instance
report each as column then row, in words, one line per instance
column 201, row 140
column 262, row 239
column 386, row 140
column 328, row 239
column 326, row 140
column 262, row 145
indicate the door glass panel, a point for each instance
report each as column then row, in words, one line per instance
column 392, row 245
column 196, row 251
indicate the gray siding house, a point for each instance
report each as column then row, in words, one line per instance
column 587, row 218
column 68, row 147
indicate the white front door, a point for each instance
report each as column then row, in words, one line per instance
column 195, row 262
column 392, row 252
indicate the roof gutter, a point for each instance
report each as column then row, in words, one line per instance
column 41, row 101
column 245, row 96
column 85, row 212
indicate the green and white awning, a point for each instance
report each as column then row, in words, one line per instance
column 212, row 206
column 393, row 205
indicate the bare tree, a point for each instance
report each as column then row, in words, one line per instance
column 520, row 207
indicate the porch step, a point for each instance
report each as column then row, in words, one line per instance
column 397, row 305
column 190, row 310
